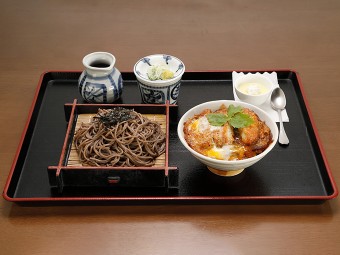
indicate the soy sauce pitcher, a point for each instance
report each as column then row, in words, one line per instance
column 100, row 82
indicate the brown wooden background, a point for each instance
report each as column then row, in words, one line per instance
column 37, row 36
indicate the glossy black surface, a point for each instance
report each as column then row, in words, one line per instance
column 294, row 171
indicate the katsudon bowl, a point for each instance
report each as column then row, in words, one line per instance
column 225, row 167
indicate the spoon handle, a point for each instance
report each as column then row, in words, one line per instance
column 283, row 139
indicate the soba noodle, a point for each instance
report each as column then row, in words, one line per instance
column 132, row 141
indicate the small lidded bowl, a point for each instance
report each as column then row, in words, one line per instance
column 253, row 88
column 159, row 78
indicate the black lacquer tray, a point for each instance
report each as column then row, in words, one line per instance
column 298, row 173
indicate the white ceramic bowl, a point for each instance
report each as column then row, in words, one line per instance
column 159, row 91
column 225, row 167
column 254, row 79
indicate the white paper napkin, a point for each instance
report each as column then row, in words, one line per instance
column 266, row 105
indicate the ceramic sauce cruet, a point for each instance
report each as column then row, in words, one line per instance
column 100, row 82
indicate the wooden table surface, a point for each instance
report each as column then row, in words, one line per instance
column 37, row 36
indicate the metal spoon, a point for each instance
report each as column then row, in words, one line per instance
column 278, row 103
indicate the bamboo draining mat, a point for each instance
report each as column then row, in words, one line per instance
column 73, row 159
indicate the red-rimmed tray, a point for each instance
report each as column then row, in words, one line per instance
column 298, row 173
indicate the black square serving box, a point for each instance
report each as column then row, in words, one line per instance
column 298, row 173
column 76, row 175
